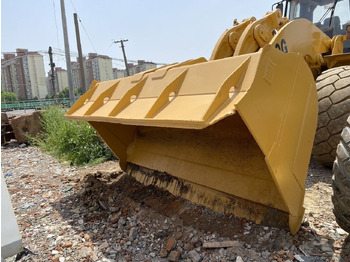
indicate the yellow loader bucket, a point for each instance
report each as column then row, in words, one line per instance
column 233, row 134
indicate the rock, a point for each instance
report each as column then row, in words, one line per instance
column 103, row 204
column 104, row 245
column 118, row 248
column 194, row 256
column 121, row 221
column 299, row 258
column 84, row 252
column 26, row 124
column 114, row 209
column 341, row 231
column 106, row 260
column 115, row 217
column 265, row 254
column 54, row 252
column 163, row 253
column 326, row 248
column 133, row 233
column 94, row 257
column 170, row 244
column 239, row 259
column 152, row 254
column 194, row 240
column 87, row 237
column 188, row 246
column 68, row 244
column 290, row 256
column 88, row 184
column 174, row 256
column 178, row 235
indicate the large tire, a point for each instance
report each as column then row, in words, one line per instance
column 341, row 180
column 333, row 89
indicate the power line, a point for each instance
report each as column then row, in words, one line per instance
column 61, row 53
column 54, row 11
column 73, row 6
column 87, row 34
column 83, row 26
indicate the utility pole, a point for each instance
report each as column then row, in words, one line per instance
column 125, row 61
column 80, row 57
column 67, row 51
column 52, row 77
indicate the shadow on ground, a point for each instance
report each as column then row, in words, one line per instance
column 318, row 173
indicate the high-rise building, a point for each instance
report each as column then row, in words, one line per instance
column 61, row 80
column 141, row 67
column 118, row 73
column 77, row 83
column 98, row 67
column 23, row 74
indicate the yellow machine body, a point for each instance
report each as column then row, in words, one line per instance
column 234, row 133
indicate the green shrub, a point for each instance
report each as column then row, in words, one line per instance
column 8, row 97
column 74, row 141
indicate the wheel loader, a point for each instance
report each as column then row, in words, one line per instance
column 235, row 133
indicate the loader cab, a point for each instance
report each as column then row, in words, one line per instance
column 331, row 16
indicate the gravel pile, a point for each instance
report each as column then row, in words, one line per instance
column 100, row 214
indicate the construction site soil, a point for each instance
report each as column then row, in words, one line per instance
column 99, row 213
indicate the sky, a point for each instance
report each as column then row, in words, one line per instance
column 157, row 31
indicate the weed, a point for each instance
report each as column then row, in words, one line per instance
column 74, row 141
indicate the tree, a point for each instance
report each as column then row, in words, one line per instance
column 8, row 96
column 49, row 96
column 65, row 93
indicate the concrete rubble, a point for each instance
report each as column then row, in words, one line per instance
column 100, row 214
column 26, row 124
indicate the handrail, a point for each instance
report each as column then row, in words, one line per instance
column 33, row 104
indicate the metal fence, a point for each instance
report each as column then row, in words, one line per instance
column 33, row 104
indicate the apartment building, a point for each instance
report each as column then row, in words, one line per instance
column 98, row 67
column 141, row 66
column 61, row 80
column 76, row 77
column 23, row 74
column 118, row 73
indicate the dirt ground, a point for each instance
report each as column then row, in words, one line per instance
column 101, row 214
column 319, row 219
